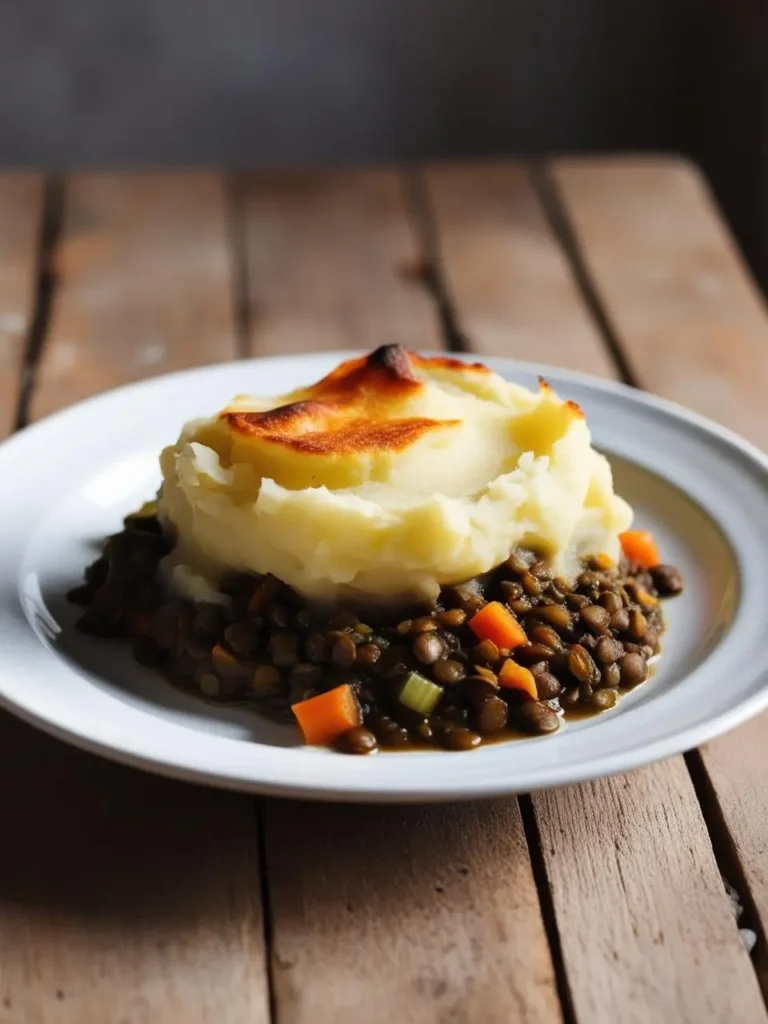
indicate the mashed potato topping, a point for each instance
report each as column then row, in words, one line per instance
column 389, row 477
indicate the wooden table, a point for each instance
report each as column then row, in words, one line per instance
column 128, row 899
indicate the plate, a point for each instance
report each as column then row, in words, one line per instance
column 69, row 480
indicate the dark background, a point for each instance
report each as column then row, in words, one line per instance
column 245, row 82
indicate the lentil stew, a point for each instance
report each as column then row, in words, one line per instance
column 424, row 676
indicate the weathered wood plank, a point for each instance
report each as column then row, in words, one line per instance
column 407, row 914
column 674, row 284
column 328, row 257
column 596, row 890
column 695, row 329
column 124, row 897
column 380, row 914
column 144, row 269
column 646, row 928
column 736, row 765
column 21, row 211
column 509, row 281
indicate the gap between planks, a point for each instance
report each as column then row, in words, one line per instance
column 506, row 320
column 234, row 191
column 728, row 861
column 44, row 287
column 193, row 950
column 545, row 187
column 396, row 908
column 235, row 214
column 528, row 837
column 428, row 269
column 434, row 280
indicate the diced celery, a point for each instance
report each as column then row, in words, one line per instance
column 420, row 695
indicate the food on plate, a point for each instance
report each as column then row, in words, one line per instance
column 639, row 547
column 392, row 476
column 412, row 551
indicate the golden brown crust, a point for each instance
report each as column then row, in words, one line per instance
column 447, row 363
column 576, row 408
column 354, row 436
column 353, row 409
column 545, row 386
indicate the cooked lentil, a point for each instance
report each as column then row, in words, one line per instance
column 637, row 623
column 453, row 618
column 368, row 654
column 595, row 618
column 537, row 717
column 611, row 602
column 667, row 580
column 634, row 669
column 547, row 686
column 581, row 664
column 344, row 652
column 610, row 675
column 588, row 640
column 491, row 716
column 546, row 636
column 558, row 617
column 486, row 653
column 477, row 690
column 527, row 654
column 608, row 650
column 456, row 737
column 428, row 648
column 357, row 741
column 517, row 563
column 620, row 621
column 448, row 672
column 601, row 700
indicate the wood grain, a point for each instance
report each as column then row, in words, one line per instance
column 695, row 328
column 381, row 914
column 144, row 270
column 407, row 914
column 126, row 899
column 123, row 897
column 674, row 284
column 130, row 899
column 646, row 927
column 508, row 279
column 331, row 262
column 21, row 211
column 736, row 765
column 595, row 891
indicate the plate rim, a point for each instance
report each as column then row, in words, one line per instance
column 317, row 789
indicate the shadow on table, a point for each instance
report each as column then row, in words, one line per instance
column 87, row 839
column 87, row 843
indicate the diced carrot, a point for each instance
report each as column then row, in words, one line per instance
column 515, row 677
column 325, row 717
column 639, row 546
column 223, row 660
column 497, row 623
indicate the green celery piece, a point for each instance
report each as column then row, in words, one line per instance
column 420, row 695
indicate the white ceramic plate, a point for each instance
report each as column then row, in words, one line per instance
column 67, row 482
